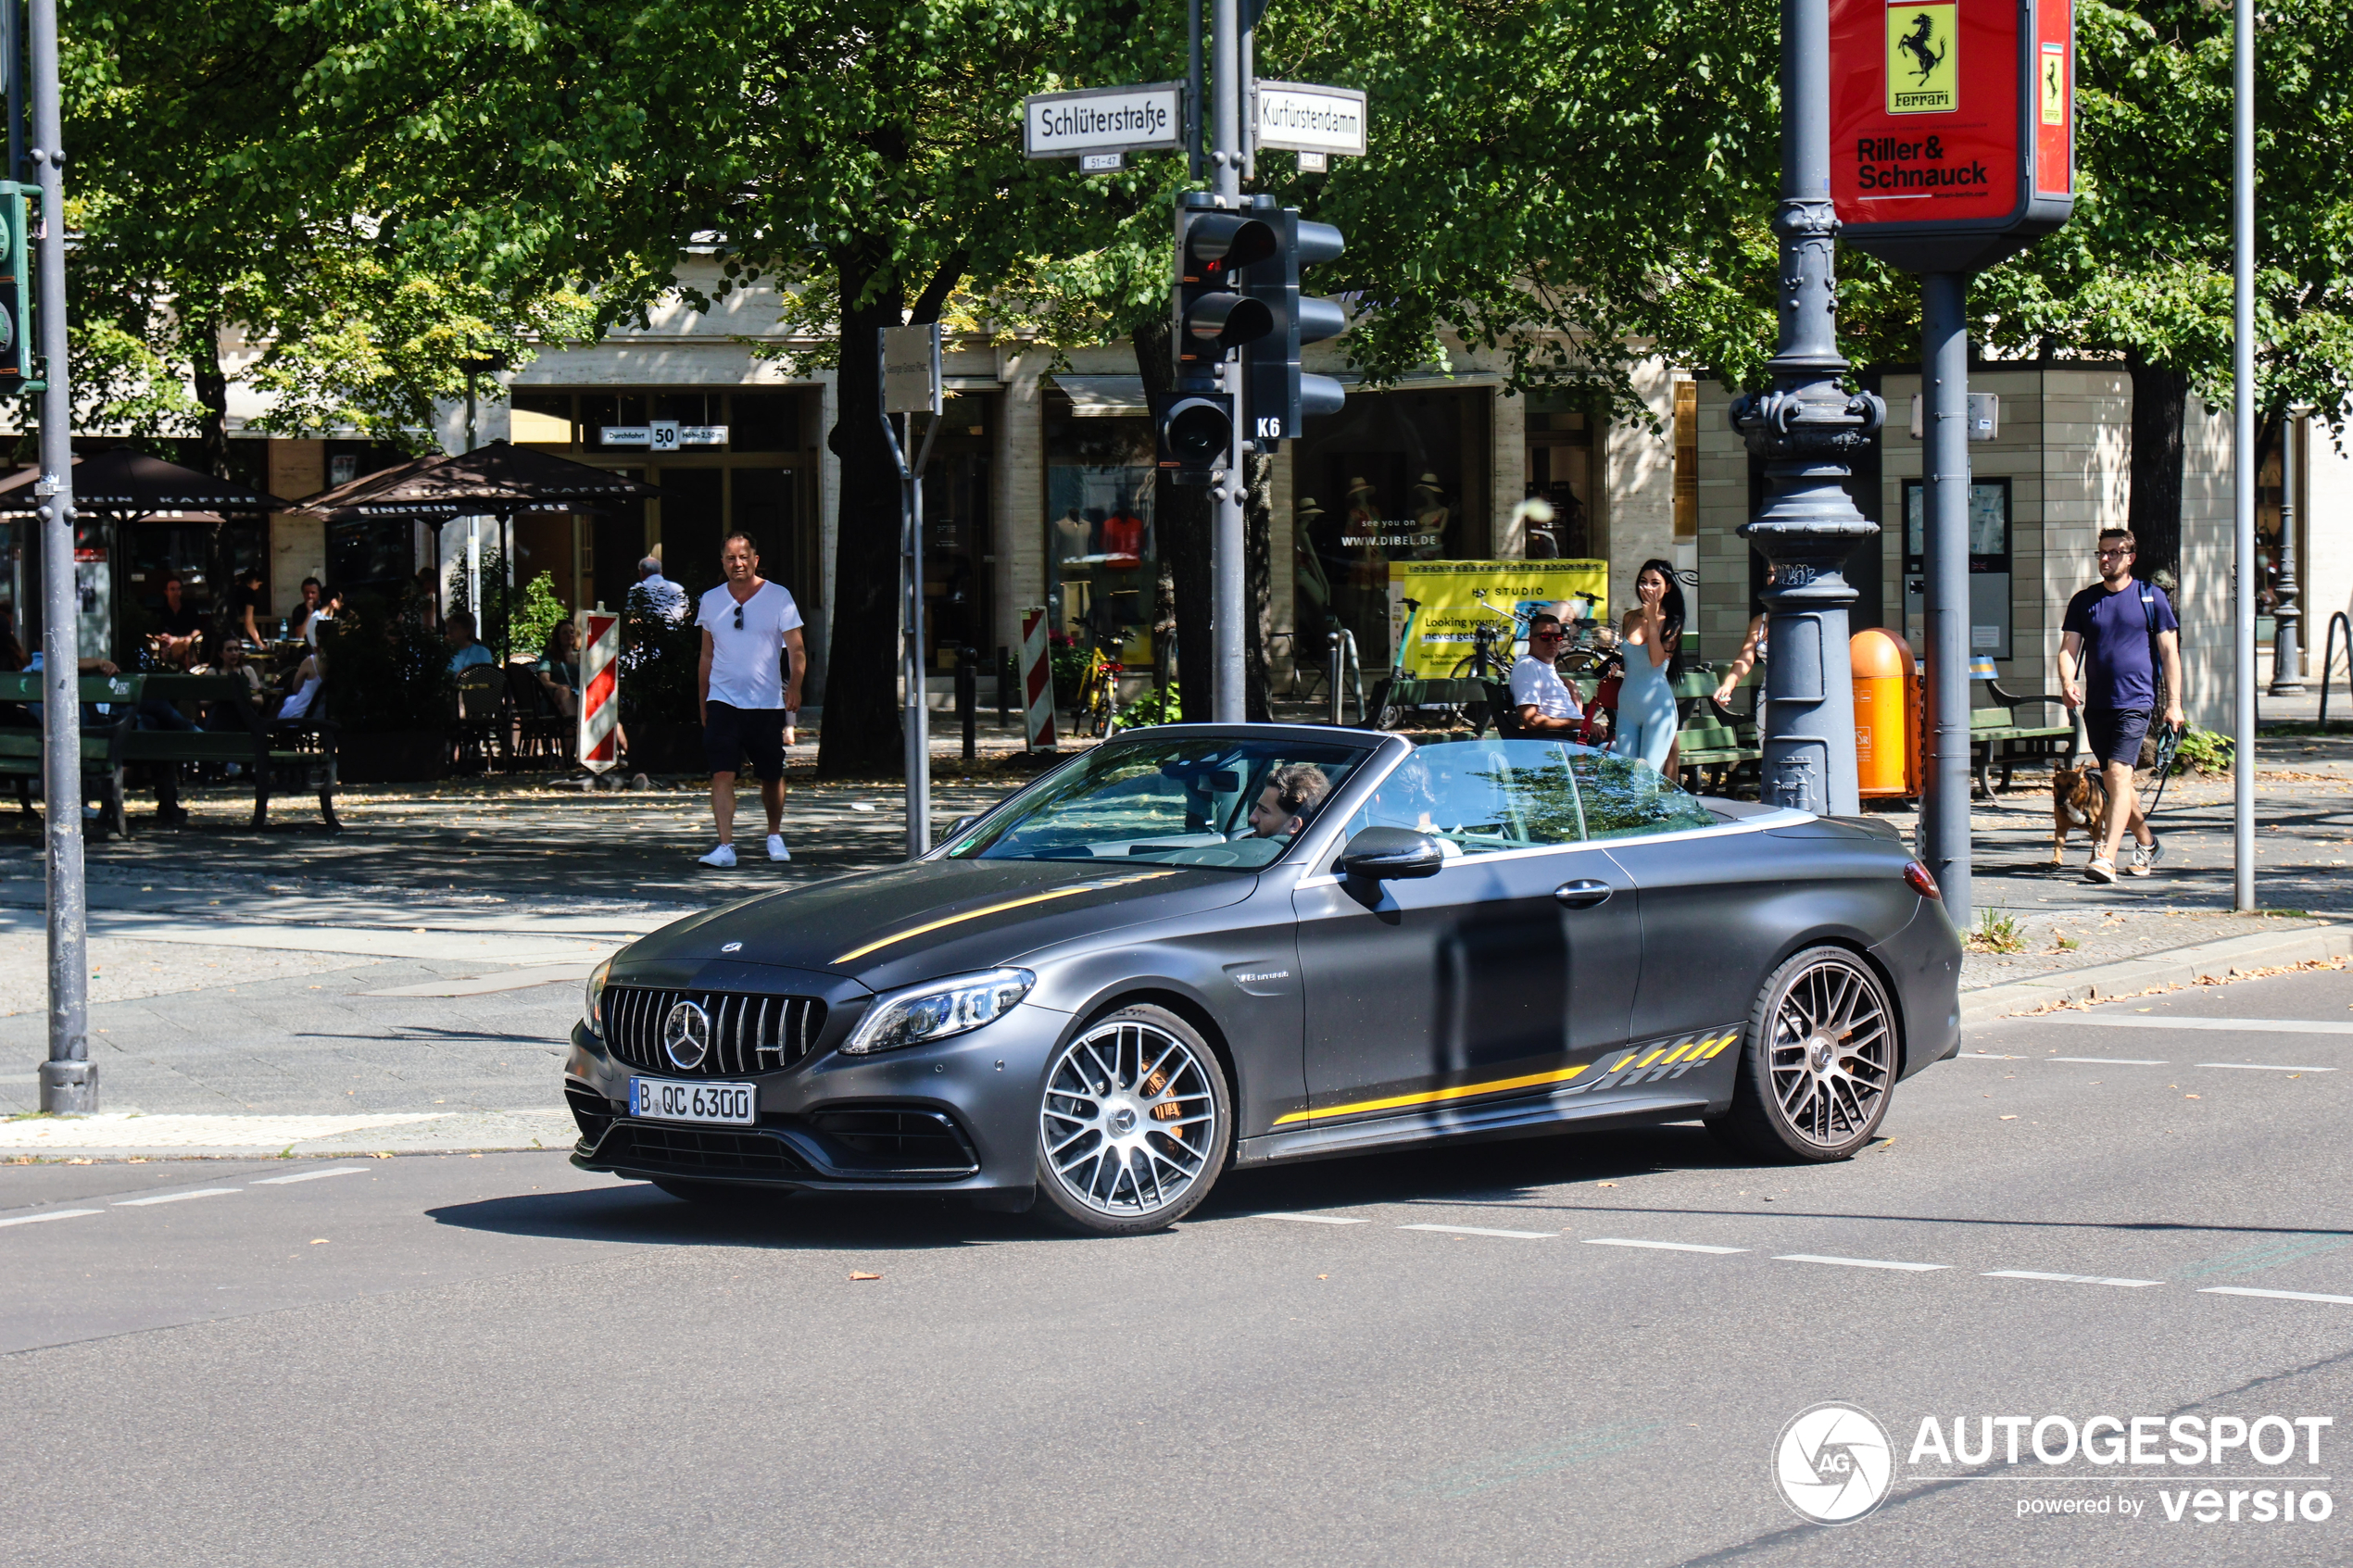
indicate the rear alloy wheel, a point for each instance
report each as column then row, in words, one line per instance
column 1818, row 1062
column 1134, row 1125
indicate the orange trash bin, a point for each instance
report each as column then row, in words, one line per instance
column 1887, row 706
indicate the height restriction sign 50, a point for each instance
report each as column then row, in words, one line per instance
column 1952, row 126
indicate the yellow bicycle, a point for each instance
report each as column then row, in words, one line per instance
column 1096, row 713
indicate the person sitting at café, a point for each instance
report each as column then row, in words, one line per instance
column 329, row 603
column 558, row 669
column 178, row 633
column 1541, row 699
column 466, row 650
column 308, row 678
column 1289, row 798
column 305, row 607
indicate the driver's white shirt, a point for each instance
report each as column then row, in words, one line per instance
column 1535, row 680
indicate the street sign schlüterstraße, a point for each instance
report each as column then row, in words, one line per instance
column 1148, row 117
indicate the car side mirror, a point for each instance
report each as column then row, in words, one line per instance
column 959, row 825
column 1378, row 854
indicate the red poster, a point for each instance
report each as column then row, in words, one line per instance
column 2054, row 98
column 1924, row 123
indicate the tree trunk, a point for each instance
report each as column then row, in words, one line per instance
column 862, row 736
column 212, row 449
column 1181, row 519
column 2161, row 398
column 1258, row 533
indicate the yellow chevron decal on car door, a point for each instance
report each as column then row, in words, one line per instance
column 1075, row 887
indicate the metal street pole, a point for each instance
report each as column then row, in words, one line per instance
column 918, row 713
column 1944, row 824
column 2242, row 453
column 69, row 1079
column 1804, row 427
column 2288, row 654
column 1226, row 595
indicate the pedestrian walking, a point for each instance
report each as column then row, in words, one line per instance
column 749, row 626
column 2119, row 633
column 656, row 596
column 1652, row 636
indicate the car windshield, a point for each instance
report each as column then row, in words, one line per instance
column 1171, row 798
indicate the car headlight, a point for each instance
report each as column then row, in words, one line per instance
column 922, row 1013
column 595, row 997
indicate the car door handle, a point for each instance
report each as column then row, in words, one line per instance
column 1583, row 895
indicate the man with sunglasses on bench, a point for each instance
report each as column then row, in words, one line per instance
column 749, row 626
column 1541, row 699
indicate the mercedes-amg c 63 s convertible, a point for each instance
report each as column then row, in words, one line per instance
column 1197, row 946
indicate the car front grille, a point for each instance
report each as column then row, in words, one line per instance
column 749, row 1033
column 698, row 1151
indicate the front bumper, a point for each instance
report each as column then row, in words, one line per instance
column 959, row 1116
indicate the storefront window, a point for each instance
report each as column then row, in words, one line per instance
column 1101, row 555
column 1381, row 481
column 1560, row 473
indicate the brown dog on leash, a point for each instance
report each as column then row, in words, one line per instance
column 2079, row 799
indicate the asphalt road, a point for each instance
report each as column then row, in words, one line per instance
column 1440, row 1358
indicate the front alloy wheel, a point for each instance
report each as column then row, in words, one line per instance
column 1134, row 1125
column 1818, row 1063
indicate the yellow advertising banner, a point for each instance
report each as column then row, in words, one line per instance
column 1448, row 593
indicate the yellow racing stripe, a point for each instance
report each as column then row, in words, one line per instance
column 985, row 910
column 1436, row 1096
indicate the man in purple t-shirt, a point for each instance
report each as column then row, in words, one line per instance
column 2118, row 631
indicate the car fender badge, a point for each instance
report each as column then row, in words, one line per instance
column 1097, row 885
column 731, row 947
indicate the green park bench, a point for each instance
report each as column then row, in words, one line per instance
column 21, row 755
column 1997, row 738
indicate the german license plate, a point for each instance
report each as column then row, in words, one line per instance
column 665, row 1100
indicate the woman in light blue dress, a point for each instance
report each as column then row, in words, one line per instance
column 1652, row 634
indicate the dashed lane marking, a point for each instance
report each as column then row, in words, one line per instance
column 1857, row 1262
column 2066, row 1279
column 1476, row 1230
column 2264, row 1066
column 1314, row 1219
column 2228, row 1026
column 2274, row 1295
column 175, row 1197
column 51, row 1215
column 2110, row 1060
column 310, row 1175
column 1660, row 1246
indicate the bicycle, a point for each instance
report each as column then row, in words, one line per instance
column 1095, row 712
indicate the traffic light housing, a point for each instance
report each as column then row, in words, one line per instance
column 1214, row 315
column 1281, row 394
column 16, row 292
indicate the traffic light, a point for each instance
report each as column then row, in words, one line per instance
column 1280, row 395
column 1214, row 316
column 16, row 314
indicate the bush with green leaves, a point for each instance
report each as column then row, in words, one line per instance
column 660, row 663
column 1158, row 706
column 385, row 671
column 2208, row 751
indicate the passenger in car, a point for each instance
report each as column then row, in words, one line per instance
column 1289, row 798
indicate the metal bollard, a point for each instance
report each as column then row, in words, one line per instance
column 1006, row 681
column 1337, row 674
column 968, row 698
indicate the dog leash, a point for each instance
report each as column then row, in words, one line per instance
column 2166, row 745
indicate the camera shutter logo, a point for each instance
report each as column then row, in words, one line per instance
column 685, row 1036
column 1834, row 1464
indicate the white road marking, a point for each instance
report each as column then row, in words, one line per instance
column 2228, row 1026
column 51, row 1215
column 1314, row 1219
column 1475, row 1230
column 1857, row 1262
column 2066, row 1279
column 2109, row 1060
column 2274, row 1295
column 1986, row 1056
column 1661, row 1246
column 175, row 1197
column 310, row 1175
column 2265, row 1067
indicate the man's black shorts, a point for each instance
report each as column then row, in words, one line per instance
column 729, row 735
column 2115, row 734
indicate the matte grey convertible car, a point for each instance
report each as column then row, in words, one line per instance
column 1200, row 946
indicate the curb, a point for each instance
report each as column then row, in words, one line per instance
column 2178, row 966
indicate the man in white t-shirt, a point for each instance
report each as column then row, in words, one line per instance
column 749, row 625
column 1543, row 699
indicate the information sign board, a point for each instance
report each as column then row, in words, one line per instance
column 1458, row 597
column 911, row 370
column 1144, row 118
column 1952, row 126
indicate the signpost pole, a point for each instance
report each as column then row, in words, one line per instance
column 69, row 1079
column 1226, row 588
column 909, row 358
column 2243, row 454
column 1803, row 428
column 1944, row 806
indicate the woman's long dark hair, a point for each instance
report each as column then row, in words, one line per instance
column 1670, row 612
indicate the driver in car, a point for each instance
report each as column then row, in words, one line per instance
column 1288, row 801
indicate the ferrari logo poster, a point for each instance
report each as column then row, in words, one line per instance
column 1453, row 598
column 1924, row 63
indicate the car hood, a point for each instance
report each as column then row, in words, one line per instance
column 914, row 922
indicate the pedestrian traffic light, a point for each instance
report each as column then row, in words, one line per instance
column 16, row 315
column 1279, row 394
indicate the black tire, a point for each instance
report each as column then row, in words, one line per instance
column 1818, row 1066
column 1109, row 1162
column 721, row 1195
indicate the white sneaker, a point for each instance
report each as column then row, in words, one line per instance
column 777, row 850
column 2101, row 871
column 723, row 857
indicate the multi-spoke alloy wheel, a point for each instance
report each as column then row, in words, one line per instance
column 1134, row 1123
column 1818, row 1063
